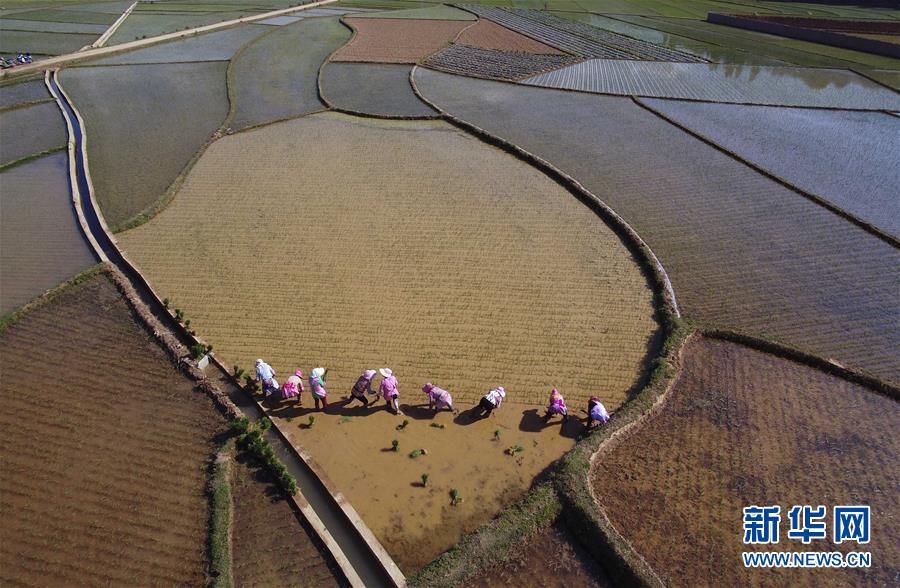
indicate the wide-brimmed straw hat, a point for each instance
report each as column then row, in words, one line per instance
column 369, row 374
column 501, row 390
column 427, row 387
column 386, row 372
column 258, row 361
column 318, row 372
column 299, row 373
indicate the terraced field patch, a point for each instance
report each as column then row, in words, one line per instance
column 12, row 95
column 486, row 34
column 372, row 88
column 30, row 130
column 215, row 46
column 141, row 25
column 272, row 547
column 155, row 103
column 286, row 86
column 553, row 558
column 400, row 40
column 777, row 86
column 741, row 249
column 434, row 12
column 500, row 65
column 430, row 252
column 105, row 483
column 741, row 428
column 42, row 26
column 43, row 43
column 798, row 146
column 41, row 243
column 68, row 16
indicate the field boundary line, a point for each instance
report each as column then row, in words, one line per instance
column 221, row 519
column 864, row 225
column 63, row 60
column 862, row 73
column 14, row 316
column 659, row 278
column 822, row 364
column 20, row 105
column 101, row 41
column 31, row 157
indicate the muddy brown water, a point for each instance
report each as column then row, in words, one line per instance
column 105, row 450
column 41, row 243
column 409, row 245
column 746, row 428
column 741, row 250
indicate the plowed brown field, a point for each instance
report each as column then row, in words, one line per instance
column 271, row 546
column 401, row 40
column 489, row 35
column 746, row 428
column 104, row 450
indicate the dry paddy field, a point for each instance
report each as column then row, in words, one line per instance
column 410, row 245
column 105, row 450
column 742, row 250
column 41, row 243
column 401, row 40
column 271, row 546
column 741, row 428
column 133, row 115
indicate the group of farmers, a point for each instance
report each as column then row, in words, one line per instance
column 438, row 398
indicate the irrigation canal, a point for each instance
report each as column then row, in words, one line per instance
column 371, row 567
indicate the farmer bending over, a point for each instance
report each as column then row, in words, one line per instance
column 293, row 387
column 438, row 398
column 490, row 401
column 597, row 414
column 557, row 406
column 389, row 389
column 266, row 375
column 317, row 387
column 361, row 387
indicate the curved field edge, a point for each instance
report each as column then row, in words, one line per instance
column 565, row 490
column 331, row 105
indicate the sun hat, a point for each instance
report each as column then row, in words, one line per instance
column 317, row 372
column 369, row 374
column 299, row 373
column 595, row 399
column 427, row 387
column 502, row 391
column 386, row 372
column 258, row 361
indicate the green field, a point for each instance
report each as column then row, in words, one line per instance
column 13, row 42
column 156, row 103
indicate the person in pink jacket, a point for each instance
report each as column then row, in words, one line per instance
column 389, row 389
column 317, row 387
column 293, row 388
column 557, row 406
column 438, row 398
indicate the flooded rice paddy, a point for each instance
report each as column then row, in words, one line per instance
column 23, row 92
column 743, row 84
column 41, row 243
column 29, row 130
column 215, row 46
column 848, row 158
column 157, row 103
column 741, row 250
column 744, row 427
column 286, row 87
column 372, row 88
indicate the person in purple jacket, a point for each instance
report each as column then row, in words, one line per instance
column 390, row 390
column 438, row 398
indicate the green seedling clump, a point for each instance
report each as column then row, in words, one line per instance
column 424, row 480
column 403, row 425
column 345, row 419
column 497, row 435
column 312, row 421
column 454, row 497
column 515, row 449
column 395, row 445
column 416, row 453
column 437, row 425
